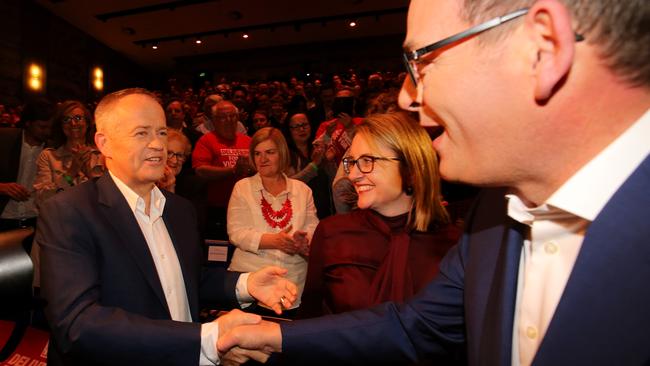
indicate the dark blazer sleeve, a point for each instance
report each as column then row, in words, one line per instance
column 429, row 324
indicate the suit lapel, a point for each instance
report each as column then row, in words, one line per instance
column 496, row 337
column 602, row 315
column 117, row 212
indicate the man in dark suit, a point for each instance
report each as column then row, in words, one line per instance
column 19, row 149
column 552, row 103
column 121, row 259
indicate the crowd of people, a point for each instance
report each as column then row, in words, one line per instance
column 266, row 183
column 259, row 164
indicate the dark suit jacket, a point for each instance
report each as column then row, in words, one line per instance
column 601, row 319
column 105, row 301
column 10, row 145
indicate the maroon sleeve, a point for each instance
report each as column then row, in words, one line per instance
column 312, row 297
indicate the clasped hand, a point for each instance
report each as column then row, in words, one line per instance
column 236, row 355
column 250, row 340
column 296, row 243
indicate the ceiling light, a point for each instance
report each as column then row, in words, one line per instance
column 353, row 24
column 245, row 35
column 198, row 41
column 154, row 46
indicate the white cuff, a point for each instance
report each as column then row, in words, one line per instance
column 241, row 291
column 209, row 336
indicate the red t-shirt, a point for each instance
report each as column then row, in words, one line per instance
column 212, row 150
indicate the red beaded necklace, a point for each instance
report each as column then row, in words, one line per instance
column 280, row 218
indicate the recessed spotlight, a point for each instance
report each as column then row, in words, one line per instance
column 198, row 41
column 155, row 47
column 353, row 24
column 245, row 35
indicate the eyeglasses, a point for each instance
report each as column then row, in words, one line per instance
column 300, row 126
column 411, row 57
column 365, row 163
column 76, row 118
column 179, row 156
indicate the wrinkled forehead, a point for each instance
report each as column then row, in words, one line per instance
column 432, row 20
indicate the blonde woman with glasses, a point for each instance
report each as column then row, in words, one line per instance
column 390, row 247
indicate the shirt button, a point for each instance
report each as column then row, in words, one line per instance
column 550, row 247
column 531, row 332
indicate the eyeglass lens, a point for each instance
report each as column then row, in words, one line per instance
column 76, row 118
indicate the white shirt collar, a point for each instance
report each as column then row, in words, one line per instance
column 256, row 183
column 136, row 203
column 590, row 188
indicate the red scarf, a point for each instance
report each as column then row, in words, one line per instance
column 393, row 280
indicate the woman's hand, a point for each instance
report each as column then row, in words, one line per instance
column 331, row 127
column 80, row 158
column 281, row 241
column 318, row 153
column 302, row 242
column 285, row 241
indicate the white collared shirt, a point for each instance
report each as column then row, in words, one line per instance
column 168, row 267
column 246, row 225
column 557, row 231
column 26, row 174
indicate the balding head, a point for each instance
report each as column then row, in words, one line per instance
column 225, row 116
column 106, row 109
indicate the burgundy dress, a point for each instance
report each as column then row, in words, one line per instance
column 362, row 258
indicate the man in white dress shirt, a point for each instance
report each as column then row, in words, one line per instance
column 121, row 259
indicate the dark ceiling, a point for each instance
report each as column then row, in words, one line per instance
column 132, row 27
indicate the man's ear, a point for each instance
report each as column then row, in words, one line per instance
column 101, row 141
column 549, row 23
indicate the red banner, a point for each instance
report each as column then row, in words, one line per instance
column 32, row 350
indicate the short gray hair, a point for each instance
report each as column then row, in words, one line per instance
column 104, row 110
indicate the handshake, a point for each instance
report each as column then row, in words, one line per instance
column 244, row 336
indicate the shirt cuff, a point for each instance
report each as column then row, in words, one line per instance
column 241, row 291
column 209, row 336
